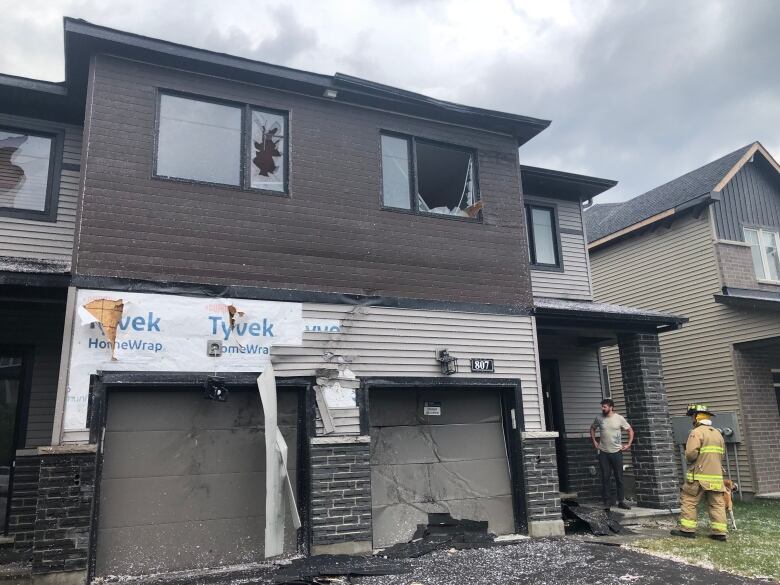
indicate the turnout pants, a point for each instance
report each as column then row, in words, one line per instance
column 692, row 494
column 611, row 463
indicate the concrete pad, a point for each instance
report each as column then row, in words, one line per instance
column 545, row 528
column 772, row 496
column 637, row 515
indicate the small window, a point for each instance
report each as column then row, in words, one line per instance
column 542, row 236
column 429, row 178
column 199, row 140
column 605, row 383
column 26, row 169
column 269, row 143
column 764, row 246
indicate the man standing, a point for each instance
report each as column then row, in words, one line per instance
column 610, row 446
column 704, row 453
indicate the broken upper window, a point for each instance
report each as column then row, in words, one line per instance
column 427, row 177
column 268, row 164
column 25, row 171
column 201, row 140
column 542, row 236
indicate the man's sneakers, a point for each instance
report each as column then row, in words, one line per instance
column 683, row 533
column 624, row 505
column 719, row 537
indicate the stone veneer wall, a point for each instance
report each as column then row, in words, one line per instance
column 653, row 454
column 753, row 369
column 540, row 471
column 341, row 494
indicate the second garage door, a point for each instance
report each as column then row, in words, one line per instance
column 452, row 459
column 183, row 480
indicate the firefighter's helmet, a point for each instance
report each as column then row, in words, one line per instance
column 694, row 408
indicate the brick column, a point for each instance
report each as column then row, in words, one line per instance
column 66, row 487
column 24, row 498
column 653, row 454
column 340, row 494
column 543, row 497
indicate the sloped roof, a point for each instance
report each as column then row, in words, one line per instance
column 601, row 220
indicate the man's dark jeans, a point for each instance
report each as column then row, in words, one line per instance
column 611, row 463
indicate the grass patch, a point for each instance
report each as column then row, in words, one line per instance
column 752, row 550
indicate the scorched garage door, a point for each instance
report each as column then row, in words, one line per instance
column 183, row 480
column 437, row 450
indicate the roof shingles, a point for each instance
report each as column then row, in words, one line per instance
column 604, row 219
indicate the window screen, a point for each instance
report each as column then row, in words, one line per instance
column 542, row 235
column 199, row 140
column 25, row 164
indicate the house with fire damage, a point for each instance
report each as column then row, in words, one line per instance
column 706, row 245
column 418, row 305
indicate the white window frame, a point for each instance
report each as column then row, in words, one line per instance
column 764, row 260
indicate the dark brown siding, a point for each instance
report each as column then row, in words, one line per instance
column 329, row 235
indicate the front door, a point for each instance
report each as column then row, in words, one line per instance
column 553, row 416
column 11, row 377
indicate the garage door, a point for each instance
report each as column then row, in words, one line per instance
column 183, row 480
column 454, row 461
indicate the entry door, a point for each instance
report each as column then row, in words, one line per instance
column 553, row 416
column 11, row 376
column 437, row 450
column 183, row 480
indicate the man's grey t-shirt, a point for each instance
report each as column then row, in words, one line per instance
column 611, row 430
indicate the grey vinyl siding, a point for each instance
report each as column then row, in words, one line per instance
column 41, row 329
column 329, row 235
column 401, row 342
column 676, row 270
column 26, row 238
column 751, row 198
column 578, row 370
column 573, row 282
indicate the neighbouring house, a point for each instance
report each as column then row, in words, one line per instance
column 422, row 299
column 706, row 245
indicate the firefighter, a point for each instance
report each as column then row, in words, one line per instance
column 704, row 453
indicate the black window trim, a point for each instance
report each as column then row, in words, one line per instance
column 530, row 204
column 244, row 144
column 49, row 213
column 411, row 141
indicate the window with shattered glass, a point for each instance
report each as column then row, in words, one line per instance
column 202, row 140
column 429, row 177
column 25, row 168
column 268, row 146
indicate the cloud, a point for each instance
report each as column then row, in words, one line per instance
column 638, row 91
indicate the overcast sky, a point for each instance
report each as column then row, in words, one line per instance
column 640, row 92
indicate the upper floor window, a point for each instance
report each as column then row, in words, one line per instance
column 27, row 175
column 764, row 246
column 543, row 236
column 428, row 177
column 226, row 144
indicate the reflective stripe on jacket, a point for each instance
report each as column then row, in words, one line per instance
column 704, row 452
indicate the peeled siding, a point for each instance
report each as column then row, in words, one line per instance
column 578, row 369
column 573, row 282
column 25, row 238
column 398, row 342
column 676, row 270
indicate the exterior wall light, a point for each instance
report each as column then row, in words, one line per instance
column 449, row 364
